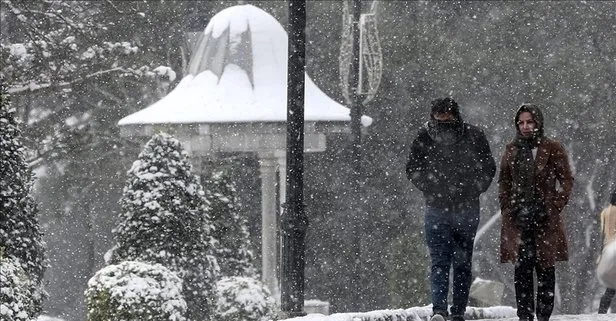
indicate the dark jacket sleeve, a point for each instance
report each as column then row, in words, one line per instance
column 564, row 176
column 486, row 164
column 418, row 166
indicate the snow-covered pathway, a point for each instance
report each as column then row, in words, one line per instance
column 570, row 317
column 423, row 314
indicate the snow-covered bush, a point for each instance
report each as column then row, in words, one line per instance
column 230, row 229
column 18, row 294
column 20, row 235
column 135, row 290
column 164, row 220
column 244, row 299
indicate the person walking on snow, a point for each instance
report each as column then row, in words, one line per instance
column 535, row 183
column 608, row 231
column 451, row 163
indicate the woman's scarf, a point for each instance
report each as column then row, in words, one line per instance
column 525, row 165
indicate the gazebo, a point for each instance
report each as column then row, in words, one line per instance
column 233, row 99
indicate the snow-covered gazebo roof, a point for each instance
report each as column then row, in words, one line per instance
column 238, row 73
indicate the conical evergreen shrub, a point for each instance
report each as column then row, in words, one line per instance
column 164, row 220
column 20, row 235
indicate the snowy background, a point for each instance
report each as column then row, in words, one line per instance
column 74, row 69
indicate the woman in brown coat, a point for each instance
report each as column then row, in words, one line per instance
column 535, row 182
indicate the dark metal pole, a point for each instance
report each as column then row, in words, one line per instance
column 293, row 219
column 356, row 111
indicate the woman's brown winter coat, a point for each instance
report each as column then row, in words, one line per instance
column 554, row 182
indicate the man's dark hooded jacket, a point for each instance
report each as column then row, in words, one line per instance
column 450, row 169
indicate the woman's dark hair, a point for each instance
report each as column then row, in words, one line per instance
column 613, row 198
column 535, row 111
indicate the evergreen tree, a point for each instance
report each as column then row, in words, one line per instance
column 230, row 229
column 20, row 235
column 164, row 220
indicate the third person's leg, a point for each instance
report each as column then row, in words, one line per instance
column 606, row 300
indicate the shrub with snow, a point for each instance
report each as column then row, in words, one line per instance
column 20, row 235
column 18, row 294
column 230, row 229
column 164, row 220
column 135, row 290
column 244, row 299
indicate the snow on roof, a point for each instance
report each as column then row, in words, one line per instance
column 238, row 73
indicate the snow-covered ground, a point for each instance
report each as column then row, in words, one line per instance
column 501, row 313
column 566, row 317
column 423, row 314
column 577, row 317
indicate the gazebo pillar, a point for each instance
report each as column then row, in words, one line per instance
column 281, row 156
column 269, row 223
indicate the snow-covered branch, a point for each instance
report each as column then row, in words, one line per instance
column 34, row 86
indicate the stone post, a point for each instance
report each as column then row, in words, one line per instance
column 269, row 204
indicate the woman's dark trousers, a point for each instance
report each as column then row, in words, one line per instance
column 524, row 282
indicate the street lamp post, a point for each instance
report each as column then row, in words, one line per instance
column 293, row 220
column 356, row 188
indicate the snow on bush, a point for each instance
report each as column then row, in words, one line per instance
column 18, row 294
column 243, row 299
column 135, row 290
column 165, row 220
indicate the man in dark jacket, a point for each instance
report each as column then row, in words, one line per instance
column 451, row 163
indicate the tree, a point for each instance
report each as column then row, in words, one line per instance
column 73, row 72
column 230, row 229
column 165, row 220
column 20, row 235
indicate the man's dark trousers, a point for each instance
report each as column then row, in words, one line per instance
column 450, row 234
